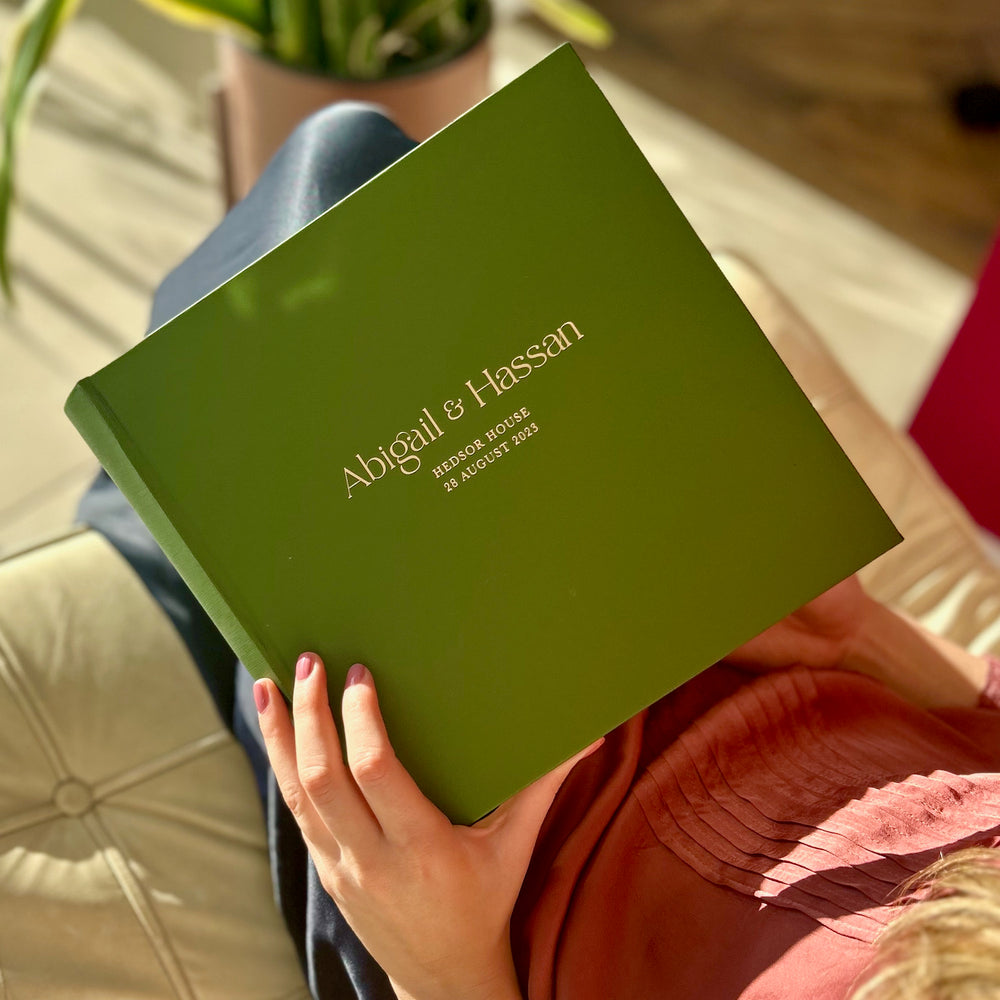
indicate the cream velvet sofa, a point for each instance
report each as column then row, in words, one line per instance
column 133, row 862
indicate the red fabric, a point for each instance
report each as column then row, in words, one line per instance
column 958, row 423
column 743, row 837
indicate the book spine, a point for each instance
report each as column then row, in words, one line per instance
column 107, row 438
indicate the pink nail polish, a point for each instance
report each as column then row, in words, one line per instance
column 304, row 667
column 260, row 696
column 356, row 675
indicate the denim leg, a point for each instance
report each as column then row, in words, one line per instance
column 327, row 157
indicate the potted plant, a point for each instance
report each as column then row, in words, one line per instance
column 280, row 59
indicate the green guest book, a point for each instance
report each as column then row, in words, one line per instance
column 496, row 426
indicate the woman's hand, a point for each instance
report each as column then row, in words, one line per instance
column 846, row 629
column 430, row 901
column 821, row 634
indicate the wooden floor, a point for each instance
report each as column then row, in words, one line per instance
column 852, row 96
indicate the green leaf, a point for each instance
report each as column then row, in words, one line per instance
column 247, row 17
column 364, row 61
column 576, row 20
column 338, row 22
column 425, row 13
column 296, row 37
column 30, row 41
column 430, row 29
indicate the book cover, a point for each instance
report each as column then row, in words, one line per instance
column 496, row 426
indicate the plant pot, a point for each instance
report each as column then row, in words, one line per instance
column 261, row 101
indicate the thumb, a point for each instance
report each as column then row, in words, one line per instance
column 520, row 818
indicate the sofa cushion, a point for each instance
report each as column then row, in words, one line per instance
column 133, row 860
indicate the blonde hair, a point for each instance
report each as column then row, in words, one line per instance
column 945, row 944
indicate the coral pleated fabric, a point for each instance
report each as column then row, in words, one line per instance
column 743, row 838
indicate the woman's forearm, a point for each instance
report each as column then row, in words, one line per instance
column 926, row 669
column 502, row 991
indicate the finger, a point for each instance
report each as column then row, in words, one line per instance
column 521, row 816
column 276, row 728
column 320, row 761
column 402, row 810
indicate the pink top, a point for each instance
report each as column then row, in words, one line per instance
column 742, row 838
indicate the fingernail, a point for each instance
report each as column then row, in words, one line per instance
column 304, row 666
column 356, row 675
column 260, row 696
